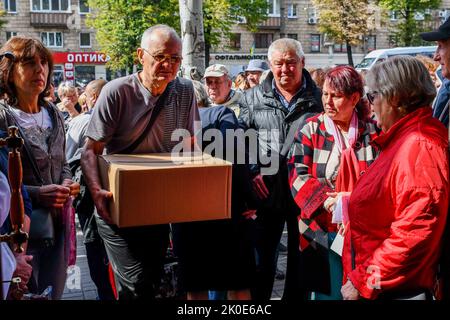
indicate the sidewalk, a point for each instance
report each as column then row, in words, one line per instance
column 82, row 288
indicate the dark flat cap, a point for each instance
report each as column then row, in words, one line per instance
column 442, row 33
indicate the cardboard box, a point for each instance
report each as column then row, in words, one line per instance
column 153, row 189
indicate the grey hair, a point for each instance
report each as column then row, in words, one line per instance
column 167, row 31
column 403, row 81
column 200, row 94
column 283, row 45
column 66, row 87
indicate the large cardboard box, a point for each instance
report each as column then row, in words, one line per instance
column 153, row 189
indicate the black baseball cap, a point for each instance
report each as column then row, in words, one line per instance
column 442, row 33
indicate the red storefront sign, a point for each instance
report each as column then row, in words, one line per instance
column 70, row 59
column 80, row 57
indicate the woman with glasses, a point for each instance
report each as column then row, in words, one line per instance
column 398, row 208
column 328, row 155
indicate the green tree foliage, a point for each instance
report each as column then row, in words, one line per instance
column 406, row 30
column 120, row 23
column 345, row 21
column 220, row 15
column 2, row 21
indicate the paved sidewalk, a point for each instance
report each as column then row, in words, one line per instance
column 86, row 290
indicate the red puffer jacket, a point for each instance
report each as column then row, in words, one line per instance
column 398, row 210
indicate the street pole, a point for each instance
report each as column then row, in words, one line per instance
column 191, row 17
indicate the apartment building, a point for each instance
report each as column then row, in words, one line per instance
column 298, row 19
column 61, row 25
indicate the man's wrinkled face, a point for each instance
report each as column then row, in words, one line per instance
column 442, row 55
column 161, row 60
column 253, row 77
column 218, row 88
column 287, row 69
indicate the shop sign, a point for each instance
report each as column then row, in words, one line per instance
column 225, row 56
column 80, row 57
column 68, row 66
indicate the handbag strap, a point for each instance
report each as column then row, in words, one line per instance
column 26, row 145
column 154, row 114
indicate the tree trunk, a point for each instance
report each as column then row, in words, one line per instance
column 207, row 50
column 349, row 53
column 191, row 17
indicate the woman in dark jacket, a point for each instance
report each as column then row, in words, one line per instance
column 24, row 84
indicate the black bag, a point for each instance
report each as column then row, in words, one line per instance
column 42, row 229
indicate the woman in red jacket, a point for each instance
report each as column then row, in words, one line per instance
column 398, row 208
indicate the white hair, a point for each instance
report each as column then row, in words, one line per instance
column 283, row 45
column 165, row 31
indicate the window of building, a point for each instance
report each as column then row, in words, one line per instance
column 371, row 43
column 84, row 75
column 392, row 41
column 10, row 34
column 85, row 40
column 274, row 8
column 315, row 43
column 263, row 40
column 10, row 6
column 58, row 75
column 292, row 36
column 84, row 7
column 394, row 15
column 52, row 39
column 340, row 47
column 50, row 5
column 235, row 41
column 292, row 10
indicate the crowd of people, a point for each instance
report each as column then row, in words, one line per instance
column 361, row 179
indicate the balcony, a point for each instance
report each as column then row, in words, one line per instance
column 271, row 23
column 46, row 19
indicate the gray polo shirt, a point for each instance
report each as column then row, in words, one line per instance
column 123, row 110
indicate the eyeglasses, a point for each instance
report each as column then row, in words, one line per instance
column 164, row 57
column 371, row 96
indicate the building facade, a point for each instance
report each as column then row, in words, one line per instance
column 61, row 26
column 299, row 19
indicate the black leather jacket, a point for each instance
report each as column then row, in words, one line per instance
column 263, row 112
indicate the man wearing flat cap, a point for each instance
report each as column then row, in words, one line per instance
column 218, row 86
column 254, row 71
column 440, row 111
column 442, row 55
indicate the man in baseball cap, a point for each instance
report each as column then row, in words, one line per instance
column 254, row 71
column 218, row 86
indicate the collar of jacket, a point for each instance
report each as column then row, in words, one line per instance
column 363, row 128
column 405, row 123
column 305, row 100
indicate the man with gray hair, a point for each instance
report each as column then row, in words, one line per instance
column 280, row 104
column 137, row 114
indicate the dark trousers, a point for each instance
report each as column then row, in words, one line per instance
column 98, row 269
column 294, row 287
column 96, row 254
column 267, row 234
column 136, row 256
